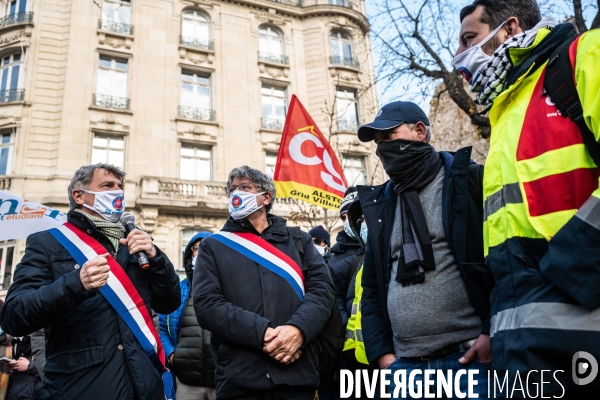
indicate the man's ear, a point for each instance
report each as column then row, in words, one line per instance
column 510, row 29
column 77, row 195
column 268, row 198
column 421, row 130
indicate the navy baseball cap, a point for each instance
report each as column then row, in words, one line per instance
column 390, row 116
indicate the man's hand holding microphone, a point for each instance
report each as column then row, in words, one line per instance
column 94, row 273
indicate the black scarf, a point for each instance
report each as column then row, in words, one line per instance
column 411, row 165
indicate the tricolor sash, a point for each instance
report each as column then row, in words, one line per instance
column 118, row 291
column 265, row 254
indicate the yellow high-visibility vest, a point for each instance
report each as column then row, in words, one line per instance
column 354, row 337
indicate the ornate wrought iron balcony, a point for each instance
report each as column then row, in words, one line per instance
column 20, row 18
column 117, row 103
column 7, row 96
column 347, row 126
column 295, row 3
column 273, row 124
column 198, row 43
column 273, row 58
column 347, row 61
column 115, row 27
column 201, row 114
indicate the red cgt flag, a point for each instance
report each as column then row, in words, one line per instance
column 307, row 167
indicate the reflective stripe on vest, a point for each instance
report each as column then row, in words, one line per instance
column 536, row 316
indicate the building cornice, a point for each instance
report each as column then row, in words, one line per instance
column 308, row 11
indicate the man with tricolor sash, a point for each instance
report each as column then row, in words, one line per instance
column 263, row 300
column 82, row 282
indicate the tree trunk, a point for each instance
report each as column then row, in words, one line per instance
column 579, row 21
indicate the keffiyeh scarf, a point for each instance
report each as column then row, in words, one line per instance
column 490, row 82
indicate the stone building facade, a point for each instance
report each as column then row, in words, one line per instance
column 178, row 93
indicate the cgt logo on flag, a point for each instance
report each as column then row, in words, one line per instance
column 307, row 167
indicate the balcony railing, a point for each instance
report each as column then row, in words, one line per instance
column 117, row 103
column 347, row 61
column 202, row 114
column 273, row 58
column 273, row 124
column 197, row 43
column 5, row 183
column 7, row 96
column 179, row 189
column 347, row 126
column 295, row 3
column 20, row 18
column 308, row 3
column 115, row 27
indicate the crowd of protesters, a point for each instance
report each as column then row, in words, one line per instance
column 444, row 266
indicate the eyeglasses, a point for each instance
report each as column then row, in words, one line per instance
column 195, row 248
column 244, row 187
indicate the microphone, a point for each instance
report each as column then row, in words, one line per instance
column 128, row 221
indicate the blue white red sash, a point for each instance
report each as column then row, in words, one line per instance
column 118, row 291
column 265, row 254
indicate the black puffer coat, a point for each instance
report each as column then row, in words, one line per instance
column 345, row 251
column 91, row 353
column 237, row 300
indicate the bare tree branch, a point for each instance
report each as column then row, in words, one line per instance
column 579, row 21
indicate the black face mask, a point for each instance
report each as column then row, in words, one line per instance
column 403, row 159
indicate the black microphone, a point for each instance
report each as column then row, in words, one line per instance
column 128, row 221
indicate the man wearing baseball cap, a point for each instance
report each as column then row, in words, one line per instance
column 421, row 309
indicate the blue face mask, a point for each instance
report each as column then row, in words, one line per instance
column 348, row 230
column 364, row 232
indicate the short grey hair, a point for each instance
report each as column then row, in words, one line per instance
column 263, row 182
column 84, row 176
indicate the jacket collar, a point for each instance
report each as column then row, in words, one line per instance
column 276, row 231
column 531, row 58
column 86, row 225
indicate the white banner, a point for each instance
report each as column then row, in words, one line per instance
column 20, row 218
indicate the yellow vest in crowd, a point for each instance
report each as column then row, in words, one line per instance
column 354, row 337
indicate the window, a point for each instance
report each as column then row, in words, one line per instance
column 7, row 262
column 270, row 45
column 341, row 50
column 195, row 97
column 270, row 162
column 195, row 163
column 347, row 110
column 343, row 3
column 16, row 12
column 108, row 149
column 273, row 108
column 10, row 78
column 116, row 16
column 354, row 170
column 7, row 149
column 195, row 30
column 111, row 86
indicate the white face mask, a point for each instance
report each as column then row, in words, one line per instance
column 321, row 249
column 348, row 230
column 194, row 261
column 109, row 205
column 469, row 62
column 364, row 232
column 242, row 204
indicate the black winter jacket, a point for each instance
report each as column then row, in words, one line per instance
column 463, row 225
column 345, row 251
column 90, row 352
column 237, row 299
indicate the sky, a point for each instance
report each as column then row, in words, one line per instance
column 558, row 9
